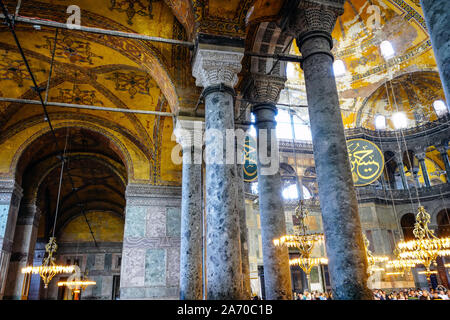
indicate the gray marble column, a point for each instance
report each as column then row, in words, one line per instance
column 444, row 155
column 437, row 18
column 240, row 205
column 312, row 24
column 216, row 69
column 401, row 169
column 265, row 90
column 277, row 275
column 191, row 249
column 10, row 196
column 23, row 248
column 421, row 156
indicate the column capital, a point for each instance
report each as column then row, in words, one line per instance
column 215, row 65
column 314, row 16
column 420, row 155
column 189, row 132
column 265, row 88
column 442, row 149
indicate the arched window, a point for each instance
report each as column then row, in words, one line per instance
column 339, row 68
column 387, row 50
column 291, row 192
column 407, row 223
column 443, row 222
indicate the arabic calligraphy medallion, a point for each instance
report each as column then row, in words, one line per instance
column 366, row 161
column 250, row 164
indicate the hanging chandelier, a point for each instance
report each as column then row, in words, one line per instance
column 426, row 247
column 76, row 282
column 371, row 259
column 303, row 241
column 49, row 268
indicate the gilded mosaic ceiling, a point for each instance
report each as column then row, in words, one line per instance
column 357, row 37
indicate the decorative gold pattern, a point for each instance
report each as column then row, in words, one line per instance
column 366, row 161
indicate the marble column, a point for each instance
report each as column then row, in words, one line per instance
column 437, row 18
column 215, row 68
column 277, row 275
column 444, row 155
column 240, row 205
column 22, row 255
column 312, row 24
column 191, row 249
column 401, row 169
column 421, row 156
column 10, row 196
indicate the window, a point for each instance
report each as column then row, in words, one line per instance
column 440, row 108
column 284, row 128
column 306, row 193
column 339, row 68
column 399, row 119
column 290, row 192
column 380, row 122
column 254, row 187
column 387, row 50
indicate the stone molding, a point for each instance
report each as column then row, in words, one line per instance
column 189, row 133
column 10, row 191
column 266, row 88
column 135, row 190
column 214, row 65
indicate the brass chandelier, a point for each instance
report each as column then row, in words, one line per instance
column 371, row 259
column 76, row 282
column 425, row 248
column 49, row 268
column 304, row 242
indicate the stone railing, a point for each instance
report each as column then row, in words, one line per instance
column 366, row 194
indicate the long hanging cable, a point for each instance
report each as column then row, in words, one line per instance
column 63, row 161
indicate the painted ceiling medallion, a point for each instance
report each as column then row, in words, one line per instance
column 132, row 8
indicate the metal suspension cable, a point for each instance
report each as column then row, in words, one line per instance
column 59, row 25
column 63, row 160
column 51, row 67
column 88, row 107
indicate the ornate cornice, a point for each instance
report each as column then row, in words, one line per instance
column 214, row 65
column 150, row 191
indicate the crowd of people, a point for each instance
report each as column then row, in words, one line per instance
column 315, row 295
column 404, row 294
column 412, row 294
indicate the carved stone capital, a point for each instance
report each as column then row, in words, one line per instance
column 442, row 149
column 214, row 65
column 315, row 16
column 420, row 155
column 265, row 88
column 189, row 132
